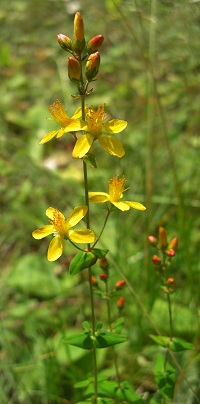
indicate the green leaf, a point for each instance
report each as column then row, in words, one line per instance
column 82, row 340
column 124, row 393
column 81, row 261
column 166, row 382
column 100, row 253
column 176, row 344
column 118, row 325
column 90, row 160
column 105, row 339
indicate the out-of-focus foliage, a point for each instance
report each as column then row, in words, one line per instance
column 149, row 76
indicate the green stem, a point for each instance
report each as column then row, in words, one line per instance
column 90, row 269
column 100, row 234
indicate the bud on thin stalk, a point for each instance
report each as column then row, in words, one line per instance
column 162, row 238
column 65, row 42
column 92, row 66
column 74, row 69
column 95, row 43
column 79, row 36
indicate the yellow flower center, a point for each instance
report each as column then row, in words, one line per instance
column 59, row 223
column 59, row 114
column 116, row 188
column 95, row 120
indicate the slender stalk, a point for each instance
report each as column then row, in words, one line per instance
column 100, row 234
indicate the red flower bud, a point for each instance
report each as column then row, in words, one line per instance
column 95, row 43
column 74, row 69
column 152, row 240
column 120, row 302
column 162, row 238
column 65, row 42
column 156, row 260
column 173, row 244
column 120, row 284
column 103, row 262
column 170, row 281
column 93, row 280
column 79, row 40
column 171, row 253
column 92, row 66
column 103, row 277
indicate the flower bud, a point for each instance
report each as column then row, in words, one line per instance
column 65, row 42
column 95, row 43
column 173, row 244
column 171, row 253
column 162, row 238
column 170, row 281
column 92, row 66
column 78, row 39
column 103, row 262
column 156, row 260
column 103, row 277
column 93, row 280
column 152, row 240
column 74, row 69
column 120, row 302
column 120, row 284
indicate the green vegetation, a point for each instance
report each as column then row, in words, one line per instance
column 149, row 76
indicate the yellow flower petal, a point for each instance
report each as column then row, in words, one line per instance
column 77, row 113
column 135, row 205
column 98, row 197
column 76, row 215
column 55, row 249
column 115, row 126
column 82, row 146
column 49, row 136
column 111, row 145
column 81, row 236
column 121, row 205
column 43, row 232
column 74, row 125
column 51, row 211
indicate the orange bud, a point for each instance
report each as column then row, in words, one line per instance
column 93, row 280
column 92, row 66
column 162, row 238
column 152, row 240
column 170, row 281
column 74, row 69
column 171, row 253
column 65, row 42
column 156, row 260
column 103, row 277
column 95, row 43
column 120, row 284
column 103, row 262
column 79, row 40
column 120, row 302
column 173, row 244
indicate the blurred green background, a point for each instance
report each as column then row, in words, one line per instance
column 149, row 76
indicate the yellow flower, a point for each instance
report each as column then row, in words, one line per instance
column 61, row 228
column 116, row 189
column 67, row 124
column 97, row 127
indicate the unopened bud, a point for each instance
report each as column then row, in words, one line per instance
column 103, row 277
column 92, row 66
column 162, row 238
column 65, row 42
column 156, row 260
column 170, row 281
column 93, row 280
column 74, row 69
column 104, row 264
column 120, row 302
column 171, row 253
column 79, row 36
column 173, row 244
column 120, row 284
column 95, row 43
column 152, row 240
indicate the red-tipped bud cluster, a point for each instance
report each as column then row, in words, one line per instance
column 104, row 264
column 65, row 42
column 152, row 240
column 74, row 69
column 120, row 302
column 173, row 244
column 170, row 281
column 171, row 253
column 79, row 34
column 92, row 66
column 156, row 260
column 103, row 277
column 95, row 43
column 120, row 284
column 162, row 234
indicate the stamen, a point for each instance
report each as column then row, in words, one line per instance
column 95, row 119
column 116, row 188
column 59, row 114
column 58, row 222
